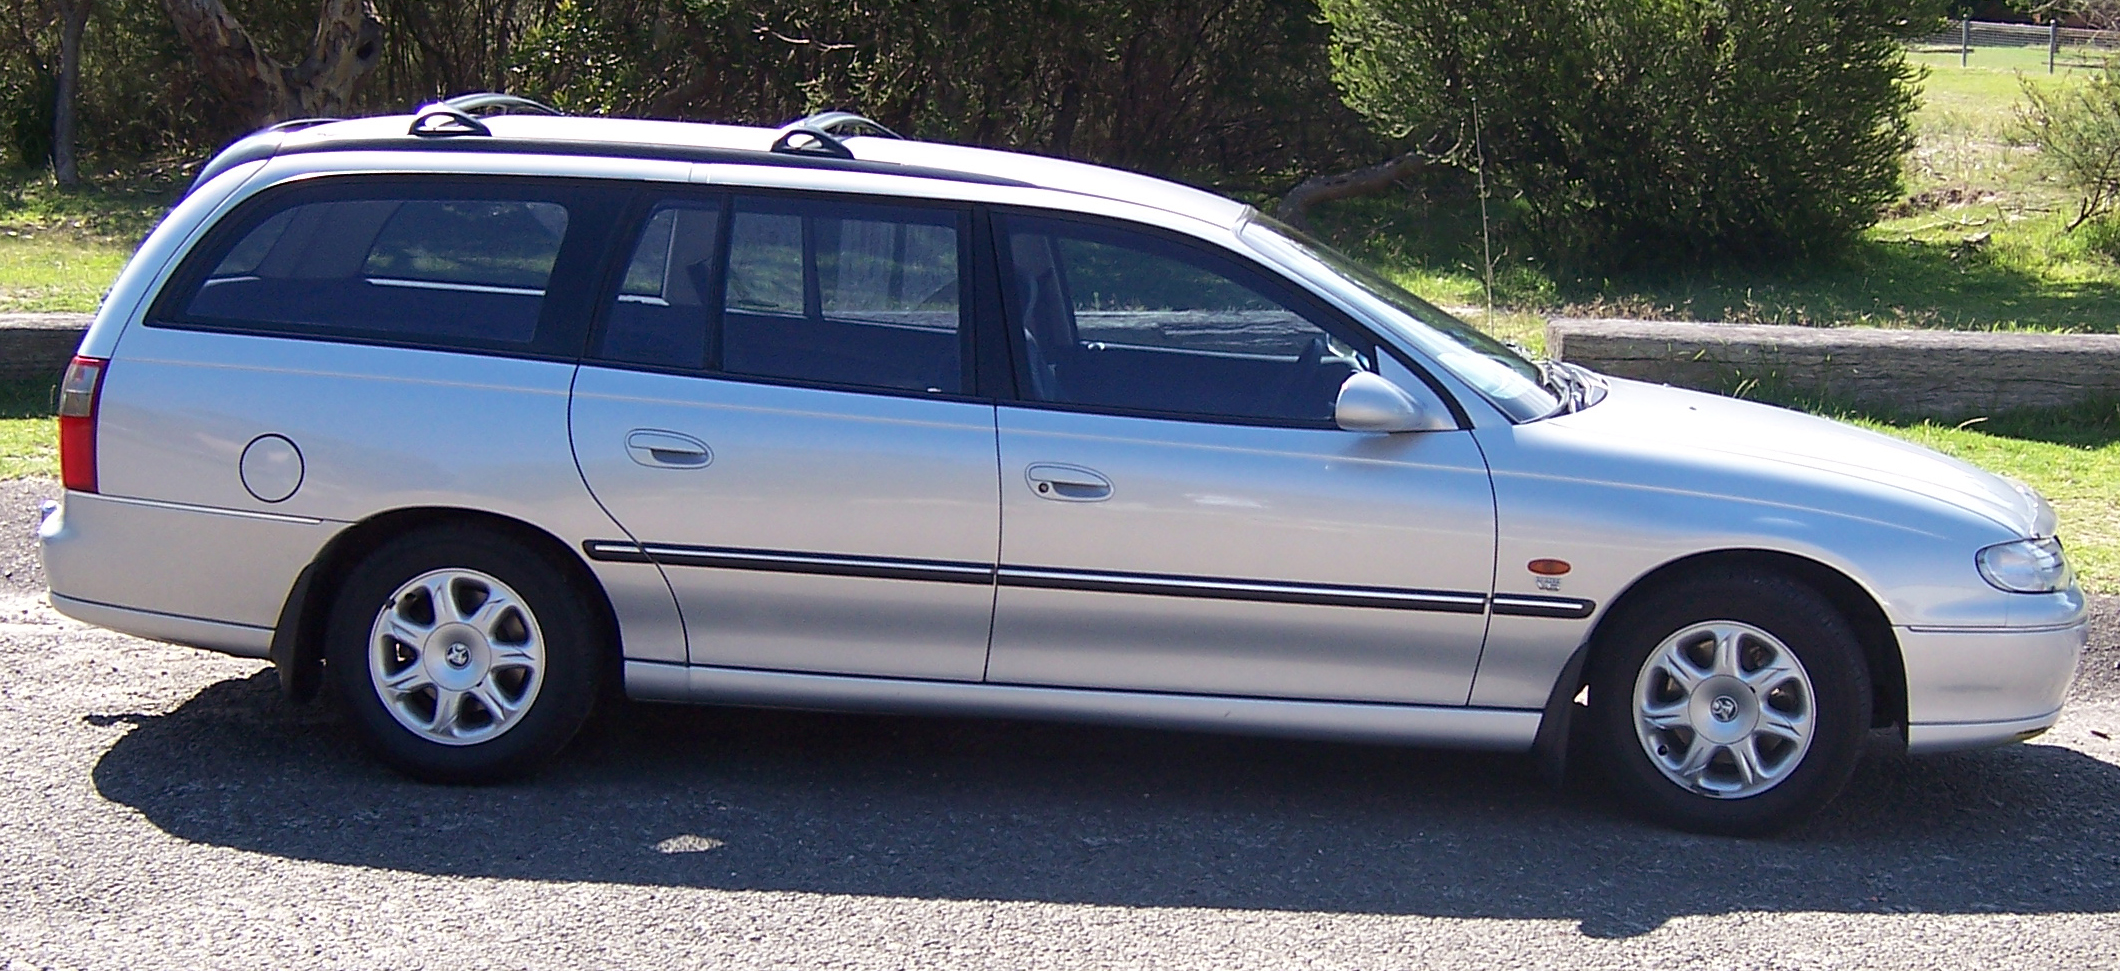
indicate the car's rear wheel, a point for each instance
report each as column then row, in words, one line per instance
column 461, row 655
column 1733, row 703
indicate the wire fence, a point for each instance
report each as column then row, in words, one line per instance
column 2023, row 45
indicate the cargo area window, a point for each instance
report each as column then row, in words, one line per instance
column 424, row 266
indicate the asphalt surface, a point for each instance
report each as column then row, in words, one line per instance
column 161, row 807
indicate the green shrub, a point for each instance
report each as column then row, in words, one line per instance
column 2077, row 129
column 1641, row 133
column 1234, row 92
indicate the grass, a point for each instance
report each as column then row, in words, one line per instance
column 2006, row 61
column 28, row 447
column 61, row 248
column 29, row 440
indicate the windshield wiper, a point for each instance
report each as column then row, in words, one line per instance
column 1565, row 384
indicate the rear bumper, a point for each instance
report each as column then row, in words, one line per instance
column 1970, row 688
column 212, row 578
column 241, row 640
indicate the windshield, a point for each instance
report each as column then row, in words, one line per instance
column 1516, row 385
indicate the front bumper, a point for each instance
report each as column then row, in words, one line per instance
column 1977, row 687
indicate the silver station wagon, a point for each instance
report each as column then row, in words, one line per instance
column 469, row 416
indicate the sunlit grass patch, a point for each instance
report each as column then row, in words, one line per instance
column 55, row 271
column 28, row 446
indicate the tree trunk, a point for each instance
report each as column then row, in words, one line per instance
column 349, row 44
column 73, row 19
column 1295, row 206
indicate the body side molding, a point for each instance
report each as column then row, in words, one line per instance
column 1103, row 581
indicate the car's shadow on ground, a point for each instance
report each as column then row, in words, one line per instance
column 941, row 808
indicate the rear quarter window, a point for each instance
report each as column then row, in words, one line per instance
column 452, row 265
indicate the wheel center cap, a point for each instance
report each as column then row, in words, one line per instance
column 457, row 656
column 1723, row 710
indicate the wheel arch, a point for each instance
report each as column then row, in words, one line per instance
column 297, row 650
column 1872, row 628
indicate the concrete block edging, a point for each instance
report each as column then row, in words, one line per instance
column 1922, row 373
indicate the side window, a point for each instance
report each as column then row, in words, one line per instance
column 663, row 314
column 1134, row 321
column 416, row 265
column 843, row 293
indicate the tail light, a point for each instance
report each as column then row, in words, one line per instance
column 78, row 395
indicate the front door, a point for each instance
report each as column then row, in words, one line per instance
column 1180, row 514
column 777, row 417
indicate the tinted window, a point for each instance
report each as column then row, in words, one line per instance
column 843, row 294
column 424, row 265
column 818, row 292
column 1135, row 321
column 662, row 315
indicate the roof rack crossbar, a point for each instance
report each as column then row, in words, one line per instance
column 499, row 103
column 838, row 123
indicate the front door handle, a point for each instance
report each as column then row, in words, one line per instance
column 659, row 449
column 1067, row 483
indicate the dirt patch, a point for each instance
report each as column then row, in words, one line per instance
column 1940, row 197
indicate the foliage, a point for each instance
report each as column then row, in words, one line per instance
column 1230, row 92
column 1210, row 89
column 1652, row 132
column 2077, row 129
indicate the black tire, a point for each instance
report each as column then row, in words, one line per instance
column 574, row 645
column 1799, row 617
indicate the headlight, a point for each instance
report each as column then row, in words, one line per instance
column 2026, row 566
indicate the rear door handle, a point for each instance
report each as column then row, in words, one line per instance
column 658, row 449
column 1067, row 483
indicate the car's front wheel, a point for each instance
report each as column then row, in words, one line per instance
column 1733, row 703
column 461, row 655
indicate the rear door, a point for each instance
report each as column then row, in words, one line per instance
column 777, row 411
column 1181, row 514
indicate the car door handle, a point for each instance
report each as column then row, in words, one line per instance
column 667, row 450
column 1067, row 483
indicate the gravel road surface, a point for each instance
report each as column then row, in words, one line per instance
column 161, row 807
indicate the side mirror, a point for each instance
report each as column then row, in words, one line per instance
column 1368, row 403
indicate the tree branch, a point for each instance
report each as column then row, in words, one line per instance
column 1295, row 206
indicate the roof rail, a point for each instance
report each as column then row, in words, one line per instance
column 439, row 120
column 833, row 123
column 815, row 142
column 478, row 101
column 819, row 134
column 297, row 124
